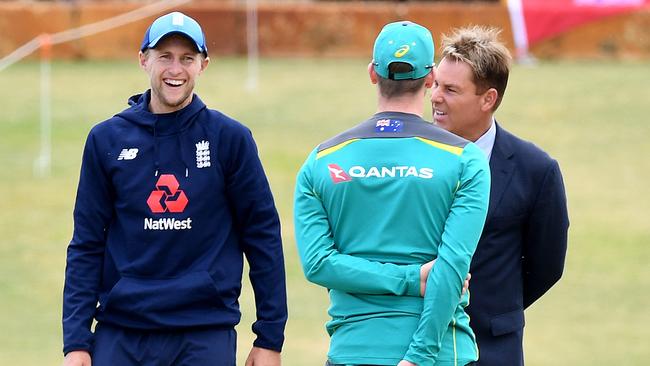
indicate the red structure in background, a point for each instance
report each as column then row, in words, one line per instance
column 534, row 21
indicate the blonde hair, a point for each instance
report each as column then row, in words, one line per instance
column 480, row 48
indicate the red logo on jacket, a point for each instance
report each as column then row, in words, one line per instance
column 167, row 197
column 338, row 175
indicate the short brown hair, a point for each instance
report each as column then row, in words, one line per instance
column 390, row 88
column 480, row 48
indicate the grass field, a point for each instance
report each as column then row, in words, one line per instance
column 592, row 117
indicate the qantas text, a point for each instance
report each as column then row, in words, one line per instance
column 395, row 171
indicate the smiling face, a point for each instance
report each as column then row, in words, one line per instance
column 457, row 104
column 173, row 66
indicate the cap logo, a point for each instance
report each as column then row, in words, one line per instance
column 177, row 19
column 402, row 51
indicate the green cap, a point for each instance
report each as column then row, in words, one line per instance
column 406, row 42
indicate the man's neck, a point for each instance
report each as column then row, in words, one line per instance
column 408, row 104
column 480, row 130
column 157, row 107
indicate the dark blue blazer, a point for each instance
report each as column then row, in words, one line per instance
column 521, row 252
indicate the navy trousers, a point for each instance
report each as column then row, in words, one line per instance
column 132, row 347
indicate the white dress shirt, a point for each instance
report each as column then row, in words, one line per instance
column 486, row 142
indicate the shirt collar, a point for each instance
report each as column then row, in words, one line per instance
column 486, row 142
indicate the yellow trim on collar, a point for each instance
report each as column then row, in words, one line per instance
column 452, row 149
column 334, row 148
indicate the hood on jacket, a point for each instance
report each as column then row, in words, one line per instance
column 162, row 124
column 139, row 114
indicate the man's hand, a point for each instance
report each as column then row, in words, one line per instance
column 406, row 363
column 77, row 358
column 466, row 283
column 424, row 274
column 263, row 357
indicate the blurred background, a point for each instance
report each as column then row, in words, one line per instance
column 295, row 73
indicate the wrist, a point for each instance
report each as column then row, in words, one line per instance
column 413, row 280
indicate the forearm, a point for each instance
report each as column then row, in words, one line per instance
column 256, row 221
column 333, row 270
column 545, row 237
column 324, row 265
column 271, row 304
column 85, row 255
column 262, row 245
column 82, row 278
column 542, row 271
column 442, row 297
column 460, row 236
column 268, row 278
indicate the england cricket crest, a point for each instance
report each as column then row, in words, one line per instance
column 203, row 154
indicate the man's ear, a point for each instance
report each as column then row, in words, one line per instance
column 142, row 59
column 489, row 100
column 372, row 73
column 204, row 63
column 428, row 80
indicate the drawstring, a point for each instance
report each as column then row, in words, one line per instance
column 155, row 148
column 183, row 157
column 180, row 147
column 179, row 140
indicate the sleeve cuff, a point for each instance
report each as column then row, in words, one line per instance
column 76, row 347
column 273, row 347
column 413, row 279
column 418, row 360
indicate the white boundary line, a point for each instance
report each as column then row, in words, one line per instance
column 90, row 29
column 43, row 163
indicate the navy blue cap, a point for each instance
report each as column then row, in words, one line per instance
column 175, row 22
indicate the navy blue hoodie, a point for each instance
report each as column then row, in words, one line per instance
column 167, row 205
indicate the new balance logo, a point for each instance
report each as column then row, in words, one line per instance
column 128, row 154
column 203, row 154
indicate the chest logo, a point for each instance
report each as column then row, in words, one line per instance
column 203, row 154
column 167, row 197
column 128, row 154
column 338, row 175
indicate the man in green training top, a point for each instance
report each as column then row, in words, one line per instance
column 375, row 205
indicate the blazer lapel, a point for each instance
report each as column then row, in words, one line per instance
column 501, row 168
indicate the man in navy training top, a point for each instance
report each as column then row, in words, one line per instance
column 171, row 196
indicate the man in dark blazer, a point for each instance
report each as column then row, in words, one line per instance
column 522, row 249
